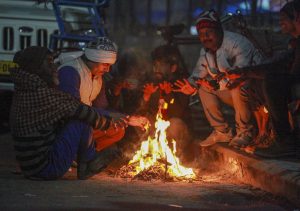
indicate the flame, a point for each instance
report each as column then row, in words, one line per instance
column 156, row 149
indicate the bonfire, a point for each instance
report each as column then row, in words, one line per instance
column 155, row 159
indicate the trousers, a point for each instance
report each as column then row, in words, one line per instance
column 237, row 98
column 74, row 142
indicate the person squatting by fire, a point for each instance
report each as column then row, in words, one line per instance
column 222, row 50
column 155, row 95
column 50, row 128
column 169, row 112
column 158, row 94
column 280, row 79
column 81, row 75
column 231, row 69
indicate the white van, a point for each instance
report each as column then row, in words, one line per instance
column 23, row 24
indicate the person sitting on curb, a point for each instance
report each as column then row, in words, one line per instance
column 159, row 90
column 281, row 79
column 81, row 75
column 223, row 50
column 51, row 128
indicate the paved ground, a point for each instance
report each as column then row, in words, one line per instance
column 213, row 191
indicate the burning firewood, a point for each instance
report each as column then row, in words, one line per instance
column 155, row 160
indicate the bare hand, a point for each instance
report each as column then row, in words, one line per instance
column 149, row 89
column 139, row 121
column 166, row 87
column 184, row 87
column 205, row 83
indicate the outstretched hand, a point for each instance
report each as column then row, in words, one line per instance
column 167, row 87
column 139, row 121
column 149, row 89
column 207, row 84
column 184, row 87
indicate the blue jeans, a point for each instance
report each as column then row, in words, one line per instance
column 74, row 142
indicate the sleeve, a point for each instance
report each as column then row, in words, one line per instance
column 69, row 81
column 278, row 64
column 96, row 118
column 102, row 111
column 244, row 53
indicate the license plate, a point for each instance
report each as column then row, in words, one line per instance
column 5, row 65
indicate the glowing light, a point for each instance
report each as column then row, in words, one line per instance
column 154, row 150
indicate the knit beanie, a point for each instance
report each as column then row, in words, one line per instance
column 103, row 50
column 31, row 58
column 208, row 19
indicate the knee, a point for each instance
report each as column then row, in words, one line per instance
column 203, row 92
column 241, row 93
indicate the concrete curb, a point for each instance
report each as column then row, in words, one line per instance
column 280, row 177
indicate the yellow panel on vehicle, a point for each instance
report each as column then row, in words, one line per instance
column 5, row 65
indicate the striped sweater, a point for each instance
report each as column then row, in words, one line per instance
column 37, row 115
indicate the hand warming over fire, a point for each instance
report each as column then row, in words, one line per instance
column 205, row 83
column 167, row 87
column 149, row 89
column 139, row 121
column 184, row 87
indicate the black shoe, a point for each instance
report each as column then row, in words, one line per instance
column 86, row 170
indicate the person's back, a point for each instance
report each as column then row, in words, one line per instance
column 46, row 137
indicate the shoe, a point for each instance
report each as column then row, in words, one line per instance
column 88, row 169
column 215, row 137
column 241, row 140
column 278, row 149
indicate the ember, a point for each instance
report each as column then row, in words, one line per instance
column 155, row 159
